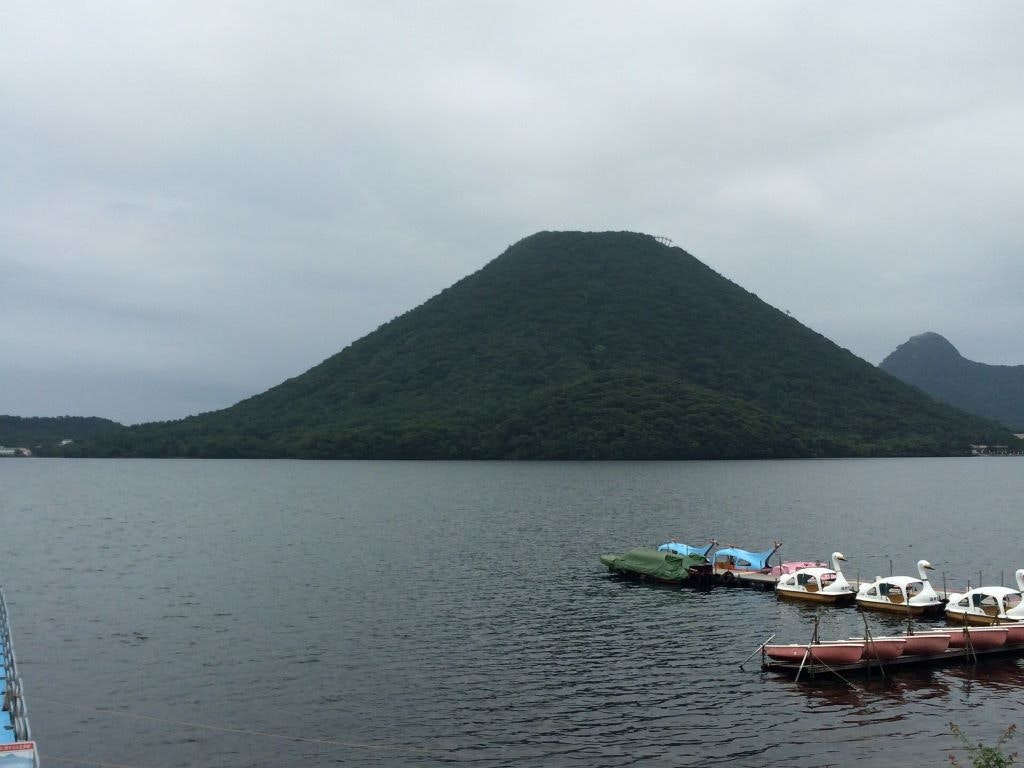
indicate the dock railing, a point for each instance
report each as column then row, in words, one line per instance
column 14, row 713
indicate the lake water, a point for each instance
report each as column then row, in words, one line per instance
column 237, row 614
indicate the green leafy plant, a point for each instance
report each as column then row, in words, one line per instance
column 985, row 756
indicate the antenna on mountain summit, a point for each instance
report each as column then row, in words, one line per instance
column 663, row 240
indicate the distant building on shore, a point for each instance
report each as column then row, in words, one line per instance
column 991, row 450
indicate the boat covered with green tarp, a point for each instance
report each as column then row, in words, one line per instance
column 661, row 566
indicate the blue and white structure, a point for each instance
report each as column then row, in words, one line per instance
column 678, row 548
column 17, row 750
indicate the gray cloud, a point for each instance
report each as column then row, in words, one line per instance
column 201, row 200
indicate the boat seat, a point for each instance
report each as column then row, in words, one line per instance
column 895, row 597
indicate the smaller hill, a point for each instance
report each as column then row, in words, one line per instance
column 43, row 433
column 929, row 362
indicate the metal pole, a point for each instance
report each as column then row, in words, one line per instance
column 759, row 648
column 802, row 662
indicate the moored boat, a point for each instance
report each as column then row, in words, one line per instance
column 659, row 566
column 679, row 548
column 925, row 643
column 817, row 584
column 882, row 647
column 831, row 652
column 901, row 594
column 988, row 605
column 793, row 566
column 787, row 651
column 978, row 638
column 730, row 561
column 1014, row 633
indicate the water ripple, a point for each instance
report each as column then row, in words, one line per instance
column 435, row 614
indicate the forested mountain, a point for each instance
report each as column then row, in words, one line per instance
column 930, row 362
column 45, row 431
column 578, row 345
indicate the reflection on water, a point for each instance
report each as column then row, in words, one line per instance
column 990, row 676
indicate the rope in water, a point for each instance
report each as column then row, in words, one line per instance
column 222, row 729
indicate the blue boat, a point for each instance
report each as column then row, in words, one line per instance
column 678, row 548
column 17, row 750
column 732, row 560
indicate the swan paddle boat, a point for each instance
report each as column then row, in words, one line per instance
column 901, row 594
column 817, row 584
column 988, row 605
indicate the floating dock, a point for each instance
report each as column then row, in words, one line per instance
column 762, row 581
column 869, row 666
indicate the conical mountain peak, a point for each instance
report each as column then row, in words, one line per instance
column 579, row 345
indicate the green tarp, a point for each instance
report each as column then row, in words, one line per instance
column 663, row 566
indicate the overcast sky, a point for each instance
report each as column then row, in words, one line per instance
column 199, row 200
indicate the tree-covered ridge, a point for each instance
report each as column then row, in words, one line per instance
column 579, row 345
column 930, row 362
column 45, row 432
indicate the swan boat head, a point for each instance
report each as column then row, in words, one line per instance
column 840, row 584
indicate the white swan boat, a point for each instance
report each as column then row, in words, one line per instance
column 988, row 605
column 901, row 594
column 817, row 584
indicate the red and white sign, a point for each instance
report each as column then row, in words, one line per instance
column 19, row 746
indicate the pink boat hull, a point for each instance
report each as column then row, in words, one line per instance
column 824, row 653
column 838, row 653
column 982, row 638
column 884, row 647
column 793, row 567
column 786, row 652
column 926, row 644
column 1014, row 633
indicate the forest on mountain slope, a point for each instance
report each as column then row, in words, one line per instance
column 577, row 345
column 46, row 431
